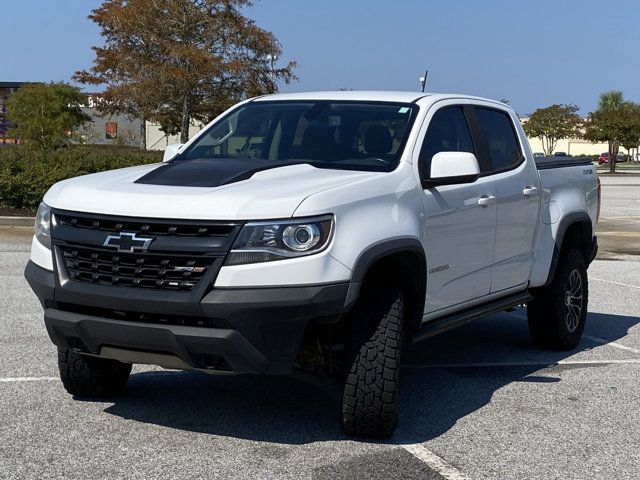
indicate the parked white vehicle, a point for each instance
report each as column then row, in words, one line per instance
column 317, row 231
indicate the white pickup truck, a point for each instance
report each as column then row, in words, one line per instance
column 315, row 231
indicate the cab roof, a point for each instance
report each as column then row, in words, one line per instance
column 371, row 96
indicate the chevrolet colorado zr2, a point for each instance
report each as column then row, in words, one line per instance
column 315, row 231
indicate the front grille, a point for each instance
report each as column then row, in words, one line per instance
column 181, row 254
column 177, row 228
column 142, row 270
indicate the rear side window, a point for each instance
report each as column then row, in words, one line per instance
column 447, row 132
column 500, row 137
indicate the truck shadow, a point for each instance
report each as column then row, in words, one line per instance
column 435, row 392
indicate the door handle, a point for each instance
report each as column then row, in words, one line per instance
column 486, row 200
column 530, row 191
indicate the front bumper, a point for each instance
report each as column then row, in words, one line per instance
column 248, row 330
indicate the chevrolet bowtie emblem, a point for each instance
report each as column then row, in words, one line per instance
column 127, row 242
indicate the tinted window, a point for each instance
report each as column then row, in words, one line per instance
column 447, row 132
column 349, row 135
column 500, row 137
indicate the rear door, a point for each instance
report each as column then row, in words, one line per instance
column 516, row 184
column 459, row 232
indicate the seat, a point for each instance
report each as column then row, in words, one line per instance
column 319, row 143
column 378, row 140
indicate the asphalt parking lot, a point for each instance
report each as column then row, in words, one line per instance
column 478, row 402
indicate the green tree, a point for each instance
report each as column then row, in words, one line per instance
column 45, row 116
column 553, row 123
column 616, row 122
column 631, row 135
column 174, row 61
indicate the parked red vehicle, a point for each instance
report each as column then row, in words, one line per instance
column 604, row 158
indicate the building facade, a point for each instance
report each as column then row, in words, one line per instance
column 109, row 129
column 6, row 90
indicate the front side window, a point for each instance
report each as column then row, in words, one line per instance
column 341, row 135
column 500, row 137
column 447, row 132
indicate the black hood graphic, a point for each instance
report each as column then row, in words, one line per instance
column 206, row 172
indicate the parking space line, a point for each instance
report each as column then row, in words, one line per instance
column 612, row 344
column 534, row 363
column 434, row 462
column 602, row 341
column 630, row 361
column 614, row 283
column 620, row 233
column 28, row 379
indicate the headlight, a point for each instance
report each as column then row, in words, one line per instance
column 43, row 225
column 278, row 240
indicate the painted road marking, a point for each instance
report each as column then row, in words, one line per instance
column 28, row 379
column 614, row 283
column 619, row 234
column 433, row 461
column 602, row 341
column 612, row 344
column 631, row 361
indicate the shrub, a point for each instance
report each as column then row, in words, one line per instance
column 26, row 174
column 44, row 115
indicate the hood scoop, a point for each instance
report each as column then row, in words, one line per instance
column 208, row 172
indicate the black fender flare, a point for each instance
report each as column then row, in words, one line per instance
column 383, row 249
column 587, row 235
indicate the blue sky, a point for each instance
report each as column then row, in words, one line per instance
column 534, row 53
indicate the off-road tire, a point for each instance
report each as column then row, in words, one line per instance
column 372, row 364
column 93, row 377
column 553, row 323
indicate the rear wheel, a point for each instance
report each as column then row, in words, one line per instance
column 372, row 363
column 558, row 313
column 87, row 376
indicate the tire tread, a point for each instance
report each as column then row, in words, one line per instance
column 369, row 405
column 87, row 376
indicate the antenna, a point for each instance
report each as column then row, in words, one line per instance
column 423, row 80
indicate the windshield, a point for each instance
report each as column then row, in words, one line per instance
column 341, row 135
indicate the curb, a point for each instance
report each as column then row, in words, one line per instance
column 619, row 174
column 17, row 221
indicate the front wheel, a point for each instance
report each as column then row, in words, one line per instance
column 372, row 354
column 558, row 312
column 87, row 376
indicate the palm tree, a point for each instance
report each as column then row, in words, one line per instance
column 611, row 101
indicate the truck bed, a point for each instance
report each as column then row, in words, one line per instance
column 544, row 163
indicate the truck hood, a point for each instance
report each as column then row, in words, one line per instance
column 166, row 191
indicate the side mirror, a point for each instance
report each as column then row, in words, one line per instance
column 450, row 168
column 171, row 151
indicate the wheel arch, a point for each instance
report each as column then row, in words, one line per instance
column 391, row 259
column 574, row 230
